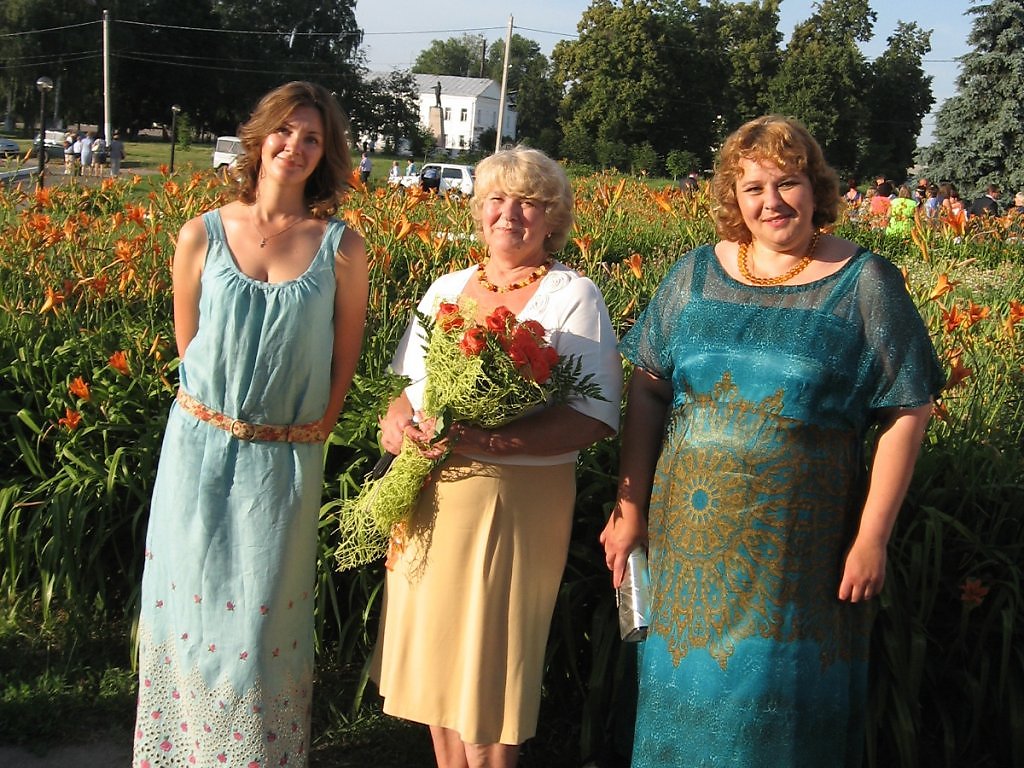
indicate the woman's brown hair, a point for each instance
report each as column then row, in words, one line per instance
column 789, row 145
column 332, row 175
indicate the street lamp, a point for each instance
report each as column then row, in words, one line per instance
column 175, row 109
column 45, row 85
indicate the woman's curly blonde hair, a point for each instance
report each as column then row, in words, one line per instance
column 331, row 177
column 785, row 142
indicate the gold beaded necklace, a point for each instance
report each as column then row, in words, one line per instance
column 741, row 262
column 537, row 274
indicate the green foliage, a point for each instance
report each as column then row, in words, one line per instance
column 948, row 680
column 463, row 56
column 978, row 136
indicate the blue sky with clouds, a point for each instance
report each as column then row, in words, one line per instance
column 397, row 30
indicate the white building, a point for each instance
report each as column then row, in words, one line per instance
column 470, row 107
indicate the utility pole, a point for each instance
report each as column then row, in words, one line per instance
column 106, row 78
column 504, row 86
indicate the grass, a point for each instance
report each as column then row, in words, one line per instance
column 78, row 674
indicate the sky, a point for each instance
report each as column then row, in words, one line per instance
column 395, row 31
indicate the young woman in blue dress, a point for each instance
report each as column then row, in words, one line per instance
column 270, row 295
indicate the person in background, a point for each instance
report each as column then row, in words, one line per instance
column 86, row 153
column 852, row 196
column 881, row 203
column 761, row 366
column 470, row 594
column 365, row 168
column 410, row 168
column 69, row 154
column 901, row 212
column 270, row 295
column 1018, row 204
column 932, row 202
column 987, row 204
column 99, row 156
column 116, row 151
column 394, row 174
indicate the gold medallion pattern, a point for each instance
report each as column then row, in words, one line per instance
column 746, row 536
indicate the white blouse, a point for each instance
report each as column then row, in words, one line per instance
column 572, row 311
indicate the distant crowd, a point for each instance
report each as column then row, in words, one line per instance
column 87, row 154
column 894, row 209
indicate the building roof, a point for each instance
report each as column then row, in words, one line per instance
column 454, row 86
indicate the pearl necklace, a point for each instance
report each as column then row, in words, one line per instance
column 537, row 274
column 741, row 262
column 264, row 238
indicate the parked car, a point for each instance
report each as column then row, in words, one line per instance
column 447, row 177
column 9, row 148
column 226, row 151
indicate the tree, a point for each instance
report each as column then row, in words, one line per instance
column 978, row 132
column 751, row 37
column 458, row 56
column 821, row 80
column 387, row 107
column 535, row 93
column 898, row 97
column 624, row 81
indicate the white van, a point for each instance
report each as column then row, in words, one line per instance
column 226, row 151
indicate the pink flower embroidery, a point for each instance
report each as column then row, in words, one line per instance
column 243, row 656
column 253, row 764
column 197, row 599
column 271, row 736
column 237, row 736
column 222, row 757
column 148, row 683
column 184, row 635
column 159, row 603
column 175, row 694
column 264, row 610
column 230, row 606
column 213, row 647
column 284, row 760
column 276, row 652
column 184, row 727
column 206, row 727
column 165, row 745
column 144, row 764
column 155, row 714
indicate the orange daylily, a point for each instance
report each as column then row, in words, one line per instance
column 1015, row 316
column 119, row 362
column 940, row 411
column 635, row 262
column 53, row 300
column 79, row 388
column 953, row 318
column 957, row 373
column 583, row 242
column 972, row 592
column 70, row 419
column 975, row 313
column 942, row 286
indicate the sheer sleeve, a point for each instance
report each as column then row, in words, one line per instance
column 900, row 366
column 647, row 344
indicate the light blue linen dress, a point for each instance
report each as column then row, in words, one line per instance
column 751, row 660
column 226, row 629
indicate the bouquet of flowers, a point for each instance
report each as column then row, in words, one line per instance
column 485, row 375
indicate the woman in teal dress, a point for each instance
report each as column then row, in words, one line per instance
column 269, row 307
column 762, row 363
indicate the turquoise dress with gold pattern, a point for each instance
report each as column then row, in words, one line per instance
column 751, row 659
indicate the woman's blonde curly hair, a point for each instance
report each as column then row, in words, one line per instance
column 527, row 173
column 784, row 142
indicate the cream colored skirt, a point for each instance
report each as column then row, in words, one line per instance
column 468, row 602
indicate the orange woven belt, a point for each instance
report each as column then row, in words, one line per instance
column 247, row 431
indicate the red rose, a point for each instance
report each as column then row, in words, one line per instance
column 473, row 341
column 500, row 320
column 449, row 317
column 534, row 328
